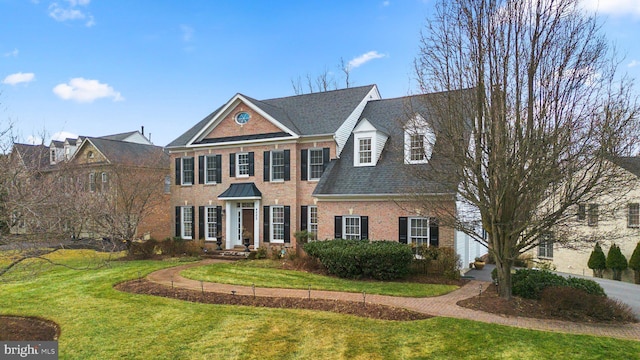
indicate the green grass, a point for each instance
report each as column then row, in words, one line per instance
column 263, row 273
column 99, row 322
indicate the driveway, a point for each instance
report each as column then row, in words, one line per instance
column 626, row 292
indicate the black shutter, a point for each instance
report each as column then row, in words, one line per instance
column 303, row 165
column 325, row 158
column 218, row 169
column 193, row 223
column 178, row 171
column 232, row 165
column 337, row 233
column 287, row 224
column 219, row 223
column 402, row 229
column 265, row 225
column 178, row 232
column 265, row 167
column 364, row 227
column 251, row 167
column 303, row 217
column 434, row 232
column 287, row 165
column 201, row 169
column 201, row 222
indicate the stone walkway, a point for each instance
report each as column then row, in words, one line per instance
column 437, row 306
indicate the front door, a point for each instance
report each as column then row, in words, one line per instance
column 247, row 225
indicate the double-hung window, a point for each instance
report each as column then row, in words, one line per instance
column 592, row 218
column 364, row 150
column 419, row 231
column 186, row 222
column 277, row 165
column 312, row 226
column 211, row 227
column 545, row 247
column 633, row 216
column 416, row 143
column 187, row 171
column 210, row 169
column 316, row 165
column 92, row 182
column 277, row 224
column 351, row 227
column 242, row 164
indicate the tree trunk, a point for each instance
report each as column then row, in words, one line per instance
column 504, row 278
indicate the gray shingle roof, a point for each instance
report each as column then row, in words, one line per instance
column 133, row 154
column 119, row 137
column 34, row 157
column 631, row 164
column 390, row 175
column 308, row 114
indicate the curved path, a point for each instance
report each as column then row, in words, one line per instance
column 444, row 305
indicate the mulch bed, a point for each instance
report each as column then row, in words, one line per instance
column 19, row 328
column 368, row 310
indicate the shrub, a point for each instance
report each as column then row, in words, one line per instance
column 634, row 263
column 616, row 262
column 440, row 261
column 144, row 250
column 529, row 283
column 575, row 304
column 261, row 253
column 597, row 261
column 381, row 260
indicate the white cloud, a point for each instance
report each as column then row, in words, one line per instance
column 613, row 7
column 386, row 3
column 34, row 140
column 85, row 90
column 62, row 135
column 71, row 12
column 187, row 33
column 633, row 63
column 18, row 78
column 13, row 53
column 364, row 58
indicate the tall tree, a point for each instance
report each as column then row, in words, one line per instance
column 545, row 111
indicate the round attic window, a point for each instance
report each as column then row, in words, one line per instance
column 242, row 118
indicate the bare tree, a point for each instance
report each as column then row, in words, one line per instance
column 543, row 114
column 325, row 81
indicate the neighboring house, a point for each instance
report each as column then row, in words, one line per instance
column 618, row 222
column 339, row 164
column 92, row 169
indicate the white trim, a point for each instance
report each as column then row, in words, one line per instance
column 238, row 175
column 272, row 227
column 309, row 207
column 182, row 171
column 344, row 226
column 206, row 168
column 227, row 109
column 182, row 221
column 207, row 236
column 271, row 179
column 309, row 178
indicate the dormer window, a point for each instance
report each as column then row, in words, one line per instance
column 364, row 151
column 419, row 140
column 52, row 159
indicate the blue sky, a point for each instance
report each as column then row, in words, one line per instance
column 97, row 67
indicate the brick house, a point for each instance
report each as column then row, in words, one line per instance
column 339, row 164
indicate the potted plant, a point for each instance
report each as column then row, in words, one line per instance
column 479, row 263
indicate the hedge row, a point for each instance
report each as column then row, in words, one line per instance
column 529, row 283
column 381, row 260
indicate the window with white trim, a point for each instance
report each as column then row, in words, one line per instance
column 316, row 165
column 417, row 147
column 186, row 220
column 593, row 214
column 419, row 231
column 277, row 166
column 545, row 248
column 633, row 215
column 187, row 171
column 211, row 227
column 242, row 164
column 364, row 150
column 277, row 223
column 312, row 221
column 351, row 227
column 104, row 181
column 210, row 169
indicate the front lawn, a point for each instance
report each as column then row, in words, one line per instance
column 99, row 322
column 264, row 273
